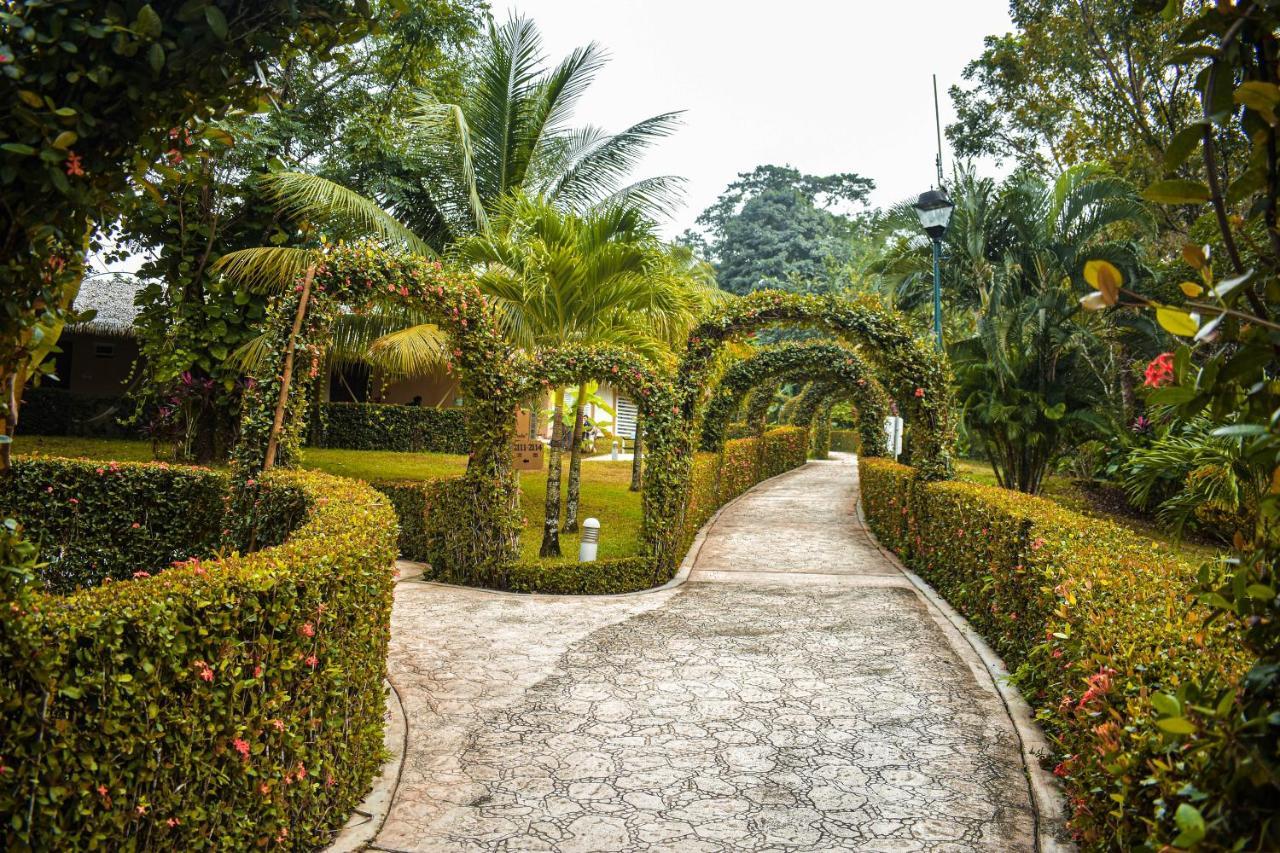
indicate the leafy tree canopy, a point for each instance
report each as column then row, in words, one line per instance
column 778, row 227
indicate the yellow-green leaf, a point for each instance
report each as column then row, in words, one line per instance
column 30, row 98
column 65, row 139
column 1176, row 322
column 1260, row 97
column 1106, row 278
column 1191, row 289
column 1177, row 725
column 1177, row 191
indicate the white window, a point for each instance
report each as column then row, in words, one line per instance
column 626, row 421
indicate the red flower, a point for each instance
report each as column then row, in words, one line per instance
column 75, row 168
column 1160, row 371
column 307, row 630
column 242, row 747
column 206, row 672
column 919, row 392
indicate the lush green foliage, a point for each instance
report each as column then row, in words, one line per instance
column 96, row 521
column 90, row 94
column 910, row 370
column 839, row 368
column 773, row 228
column 233, row 702
column 1102, row 631
column 371, row 426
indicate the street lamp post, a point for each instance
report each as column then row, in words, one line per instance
column 934, row 210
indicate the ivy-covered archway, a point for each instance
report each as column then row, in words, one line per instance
column 662, row 502
column 911, row 370
column 818, row 398
column 359, row 278
column 830, row 362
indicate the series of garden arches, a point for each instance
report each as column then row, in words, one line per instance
column 869, row 355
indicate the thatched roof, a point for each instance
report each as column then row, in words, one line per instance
column 112, row 297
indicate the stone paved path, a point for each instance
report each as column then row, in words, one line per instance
column 797, row 694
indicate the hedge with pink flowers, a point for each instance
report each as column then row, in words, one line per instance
column 1101, row 629
column 229, row 703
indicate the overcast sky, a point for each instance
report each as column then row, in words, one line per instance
column 825, row 85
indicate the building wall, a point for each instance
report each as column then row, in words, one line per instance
column 95, row 364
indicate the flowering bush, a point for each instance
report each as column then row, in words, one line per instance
column 233, row 702
column 1103, row 633
column 97, row 521
column 373, row 426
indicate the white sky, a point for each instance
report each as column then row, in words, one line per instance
column 825, row 85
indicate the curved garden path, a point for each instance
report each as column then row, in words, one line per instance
column 798, row 693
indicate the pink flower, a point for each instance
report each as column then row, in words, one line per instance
column 173, row 821
column 1037, row 543
column 264, row 788
column 75, row 167
column 307, row 630
column 312, row 661
column 919, row 392
column 242, row 747
column 257, row 671
column 206, row 672
column 302, row 770
column 141, row 809
column 142, row 574
column 102, row 790
column 279, row 724
column 135, row 525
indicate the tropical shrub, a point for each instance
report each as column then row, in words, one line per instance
column 374, row 426
column 97, row 521
column 231, row 703
column 1103, row 632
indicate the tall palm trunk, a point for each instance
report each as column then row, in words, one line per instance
column 551, row 522
column 637, row 455
column 575, row 466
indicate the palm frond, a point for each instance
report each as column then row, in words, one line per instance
column 322, row 200
column 266, row 269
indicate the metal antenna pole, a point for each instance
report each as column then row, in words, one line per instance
column 937, row 119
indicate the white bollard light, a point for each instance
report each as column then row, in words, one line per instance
column 614, row 454
column 590, row 540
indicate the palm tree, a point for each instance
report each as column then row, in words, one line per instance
column 1026, row 375
column 561, row 278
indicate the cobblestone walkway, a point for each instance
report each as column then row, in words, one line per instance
column 796, row 695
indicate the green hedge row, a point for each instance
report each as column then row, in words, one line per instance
column 1103, row 633
column 229, row 703
column 57, row 411
column 378, row 426
column 100, row 520
column 431, row 530
column 846, row 441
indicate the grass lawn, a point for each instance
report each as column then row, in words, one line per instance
column 1068, row 493
column 606, row 492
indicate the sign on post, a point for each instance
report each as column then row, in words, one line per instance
column 526, row 449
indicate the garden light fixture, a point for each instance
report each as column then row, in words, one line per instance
column 934, row 210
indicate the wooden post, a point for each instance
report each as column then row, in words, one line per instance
column 277, row 425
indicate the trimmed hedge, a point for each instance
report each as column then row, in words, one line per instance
column 1100, row 626
column 100, row 520
column 431, row 532
column 230, row 703
column 846, row 441
column 379, row 426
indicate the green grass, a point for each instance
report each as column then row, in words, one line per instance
column 1069, row 494
column 606, row 493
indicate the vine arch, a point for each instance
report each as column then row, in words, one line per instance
column 911, row 371
column 827, row 361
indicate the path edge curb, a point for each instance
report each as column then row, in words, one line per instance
column 1047, row 798
column 362, row 828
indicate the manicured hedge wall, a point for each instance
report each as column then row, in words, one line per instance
column 845, row 441
column 1098, row 623
column 229, row 704
column 430, row 530
column 378, row 426
column 98, row 520
column 57, row 411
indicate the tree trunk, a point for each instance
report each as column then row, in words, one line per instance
column 277, row 425
column 575, row 466
column 637, row 456
column 551, row 516
column 13, row 384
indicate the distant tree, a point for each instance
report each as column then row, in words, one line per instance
column 777, row 227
